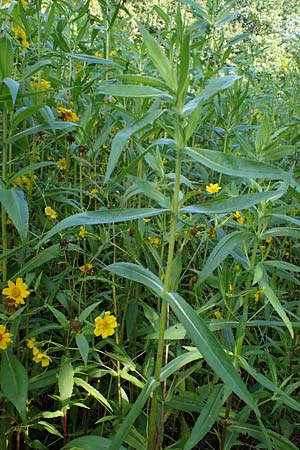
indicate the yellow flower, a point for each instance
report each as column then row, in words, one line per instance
column 105, row 326
column 257, row 295
column 42, row 85
column 213, row 188
column 93, row 192
column 50, row 212
column 67, row 115
column 24, row 3
column 5, row 338
column 87, row 268
column 99, row 55
column 240, row 219
column 147, row 220
column 113, row 53
column 30, row 342
column 218, row 315
column 16, row 291
column 154, row 241
column 82, row 232
column 41, row 357
column 62, row 164
column 269, row 239
column 22, row 181
column 20, row 35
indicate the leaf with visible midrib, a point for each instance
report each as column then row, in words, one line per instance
column 14, row 382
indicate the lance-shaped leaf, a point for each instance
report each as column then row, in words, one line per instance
column 220, row 252
column 15, row 204
column 196, row 328
column 234, row 203
column 275, row 302
column 159, row 58
column 120, row 140
column 237, row 166
column 213, row 87
column 207, row 418
column 102, row 217
column 131, row 91
column 14, row 382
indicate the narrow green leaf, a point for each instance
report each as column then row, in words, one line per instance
column 135, row 411
column 234, row 203
column 33, row 130
column 92, row 59
column 197, row 329
column 65, row 381
column 14, row 382
column 13, row 87
column 264, row 381
column 61, row 318
column 131, row 91
column 87, row 311
column 223, row 248
column 83, row 347
column 93, row 392
column 275, row 302
column 101, row 217
column 279, row 442
column 213, row 87
column 209, row 414
column 29, row 169
column 161, row 62
column 6, row 55
column 237, row 166
column 282, row 231
column 31, row 70
column 43, row 257
column 90, row 443
column 183, row 69
column 177, row 363
column 120, row 140
column 15, row 204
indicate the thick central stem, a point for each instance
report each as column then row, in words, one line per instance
column 154, row 432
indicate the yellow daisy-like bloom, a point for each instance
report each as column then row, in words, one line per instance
column 5, row 338
column 269, row 239
column 16, row 291
column 154, row 241
column 62, row 164
column 213, row 188
column 94, row 192
column 67, row 115
column 113, row 53
column 105, row 326
column 257, row 295
column 41, row 357
column 239, row 218
column 23, row 181
column 82, row 232
column 50, row 212
column 20, row 35
column 218, row 315
column 99, row 55
column 30, row 343
column 42, row 85
column 87, row 268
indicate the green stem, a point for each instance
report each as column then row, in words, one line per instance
column 154, row 432
column 242, row 329
column 4, row 187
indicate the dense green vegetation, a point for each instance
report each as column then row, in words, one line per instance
column 149, row 226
